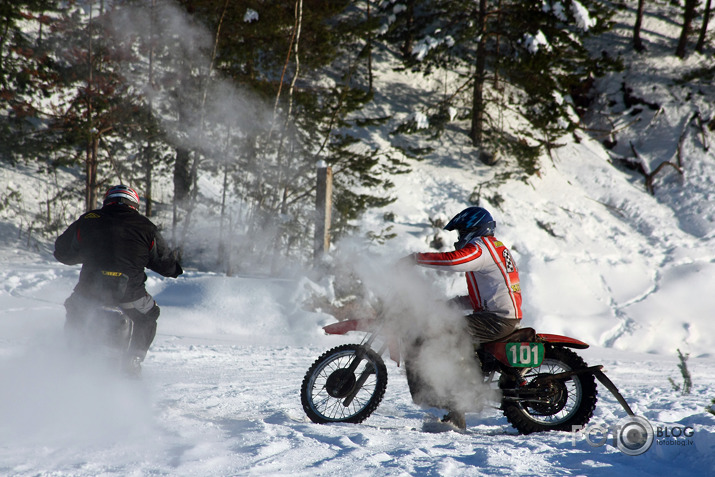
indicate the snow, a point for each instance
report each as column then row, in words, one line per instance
column 601, row 260
column 583, row 18
column 250, row 16
column 220, row 396
column 534, row 43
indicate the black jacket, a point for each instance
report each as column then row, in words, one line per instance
column 114, row 244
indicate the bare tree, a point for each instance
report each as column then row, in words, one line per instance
column 703, row 28
column 91, row 160
column 637, row 43
column 688, row 17
column 149, row 154
column 479, row 77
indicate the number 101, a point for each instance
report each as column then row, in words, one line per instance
column 525, row 355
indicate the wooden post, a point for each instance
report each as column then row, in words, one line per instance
column 323, row 206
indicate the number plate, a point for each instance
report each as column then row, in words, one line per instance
column 524, row 355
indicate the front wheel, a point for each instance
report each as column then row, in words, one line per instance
column 345, row 384
column 559, row 404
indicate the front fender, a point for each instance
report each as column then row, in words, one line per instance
column 343, row 327
column 365, row 325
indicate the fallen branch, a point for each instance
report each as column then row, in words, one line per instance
column 650, row 176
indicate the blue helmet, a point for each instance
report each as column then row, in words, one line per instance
column 471, row 222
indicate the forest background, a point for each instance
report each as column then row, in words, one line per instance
column 218, row 111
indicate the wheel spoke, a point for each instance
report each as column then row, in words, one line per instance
column 331, row 381
column 542, row 414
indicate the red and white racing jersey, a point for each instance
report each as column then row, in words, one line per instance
column 492, row 275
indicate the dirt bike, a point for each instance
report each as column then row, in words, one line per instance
column 544, row 385
column 104, row 331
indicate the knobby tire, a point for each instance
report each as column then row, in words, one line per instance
column 576, row 407
column 328, row 382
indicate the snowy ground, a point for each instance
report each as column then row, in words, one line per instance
column 600, row 260
column 220, row 396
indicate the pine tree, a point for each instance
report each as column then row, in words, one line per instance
column 27, row 77
column 531, row 50
column 97, row 115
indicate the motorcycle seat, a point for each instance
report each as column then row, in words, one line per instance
column 520, row 335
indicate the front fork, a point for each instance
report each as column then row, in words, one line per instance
column 366, row 345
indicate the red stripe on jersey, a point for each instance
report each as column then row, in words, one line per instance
column 457, row 257
column 499, row 261
column 473, row 288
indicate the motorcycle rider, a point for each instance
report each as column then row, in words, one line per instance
column 494, row 300
column 115, row 244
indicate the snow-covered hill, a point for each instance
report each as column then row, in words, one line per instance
column 600, row 258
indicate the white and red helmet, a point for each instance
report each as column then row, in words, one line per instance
column 121, row 194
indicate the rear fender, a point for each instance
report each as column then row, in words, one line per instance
column 562, row 341
column 498, row 349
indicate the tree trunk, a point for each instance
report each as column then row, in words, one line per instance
column 149, row 156
column 3, row 39
column 148, row 171
column 637, row 43
column 688, row 16
column 497, row 53
column 182, row 175
column 704, row 28
column 407, row 45
column 182, row 186
column 479, row 75
column 91, row 171
column 92, row 139
column 369, row 52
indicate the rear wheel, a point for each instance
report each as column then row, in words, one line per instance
column 560, row 403
column 345, row 384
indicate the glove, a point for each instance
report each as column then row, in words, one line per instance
column 178, row 271
column 407, row 261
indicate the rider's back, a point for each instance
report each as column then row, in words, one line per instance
column 115, row 239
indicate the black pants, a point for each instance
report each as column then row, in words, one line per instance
column 481, row 326
column 144, row 330
column 485, row 326
column 80, row 311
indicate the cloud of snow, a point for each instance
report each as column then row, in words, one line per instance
column 218, row 130
column 433, row 334
column 50, row 396
column 186, row 46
